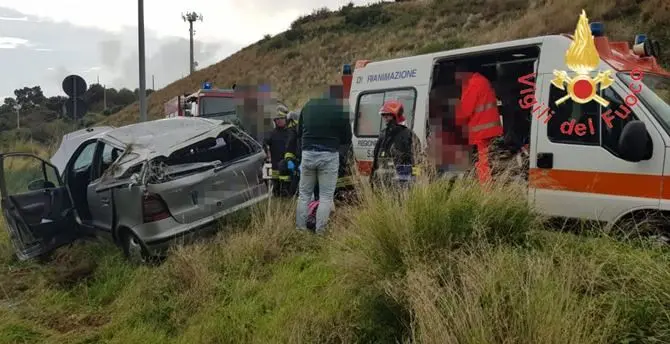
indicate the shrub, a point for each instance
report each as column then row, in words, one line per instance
column 362, row 17
column 291, row 55
column 294, row 35
column 432, row 47
column 277, row 42
column 317, row 14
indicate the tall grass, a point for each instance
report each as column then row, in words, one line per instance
column 438, row 265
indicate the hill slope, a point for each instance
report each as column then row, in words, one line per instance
column 311, row 53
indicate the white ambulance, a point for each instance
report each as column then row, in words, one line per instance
column 600, row 154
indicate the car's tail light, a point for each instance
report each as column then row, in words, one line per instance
column 154, row 208
column 259, row 176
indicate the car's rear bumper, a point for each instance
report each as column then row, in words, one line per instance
column 160, row 235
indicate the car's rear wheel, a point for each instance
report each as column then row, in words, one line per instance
column 134, row 249
column 644, row 225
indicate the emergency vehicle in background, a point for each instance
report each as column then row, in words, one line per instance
column 206, row 102
column 589, row 161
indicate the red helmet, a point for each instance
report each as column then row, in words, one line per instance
column 394, row 108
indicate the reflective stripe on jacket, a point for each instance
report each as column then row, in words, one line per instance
column 277, row 175
column 478, row 112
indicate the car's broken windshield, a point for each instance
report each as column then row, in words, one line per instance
column 227, row 147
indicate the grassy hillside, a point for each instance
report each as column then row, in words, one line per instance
column 311, row 53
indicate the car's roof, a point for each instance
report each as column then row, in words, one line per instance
column 161, row 134
column 146, row 139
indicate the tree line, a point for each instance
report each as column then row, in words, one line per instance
column 37, row 112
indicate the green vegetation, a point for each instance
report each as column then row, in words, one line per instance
column 435, row 267
column 43, row 120
column 465, row 266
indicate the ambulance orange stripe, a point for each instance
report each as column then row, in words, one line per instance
column 607, row 183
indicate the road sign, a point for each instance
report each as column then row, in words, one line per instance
column 70, row 108
column 74, row 86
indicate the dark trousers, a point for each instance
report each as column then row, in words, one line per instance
column 284, row 188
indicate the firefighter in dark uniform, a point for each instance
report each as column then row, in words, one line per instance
column 275, row 146
column 288, row 166
column 396, row 147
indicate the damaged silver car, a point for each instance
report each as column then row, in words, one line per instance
column 145, row 185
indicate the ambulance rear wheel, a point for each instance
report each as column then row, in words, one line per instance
column 644, row 225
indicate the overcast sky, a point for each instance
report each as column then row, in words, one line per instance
column 42, row 41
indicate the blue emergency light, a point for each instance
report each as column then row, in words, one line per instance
column 346, row 69
column 264, row 88
column 207, row 85
column 640, row 38
column 597, row 29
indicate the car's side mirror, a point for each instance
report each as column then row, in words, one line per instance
column 40, row 184
column 635, row 142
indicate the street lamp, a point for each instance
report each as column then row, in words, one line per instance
column 190, row 18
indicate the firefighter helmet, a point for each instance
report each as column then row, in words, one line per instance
column 394, row 108
column 293, row 116
column 282, row 111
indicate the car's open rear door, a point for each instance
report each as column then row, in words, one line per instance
column 36, row 205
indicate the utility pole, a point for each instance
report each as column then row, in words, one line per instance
column 153, row 82
column 140, row 41
column 190, row 18
column 104, row 97
column 17, row 107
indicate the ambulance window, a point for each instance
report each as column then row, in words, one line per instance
column 369, row 123
column 407, row 98
column 610, row 136
column 570, row 119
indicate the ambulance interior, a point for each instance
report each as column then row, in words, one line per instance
column 502, row 69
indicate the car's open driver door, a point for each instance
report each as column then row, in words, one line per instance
column 37, row 207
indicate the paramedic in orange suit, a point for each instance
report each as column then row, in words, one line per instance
column 477, row 115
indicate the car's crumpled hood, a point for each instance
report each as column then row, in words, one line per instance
column 152, row 145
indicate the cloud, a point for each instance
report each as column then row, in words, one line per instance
column 110, row 52
column 14, row 18
column 58, row 49
column 13, row 42
column 170, row 61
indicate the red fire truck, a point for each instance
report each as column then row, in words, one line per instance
column 207, row 102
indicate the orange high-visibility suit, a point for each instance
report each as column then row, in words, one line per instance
column 477, row 115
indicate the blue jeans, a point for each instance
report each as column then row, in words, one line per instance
column 321, row 166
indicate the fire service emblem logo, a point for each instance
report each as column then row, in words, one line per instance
column 582, row 58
